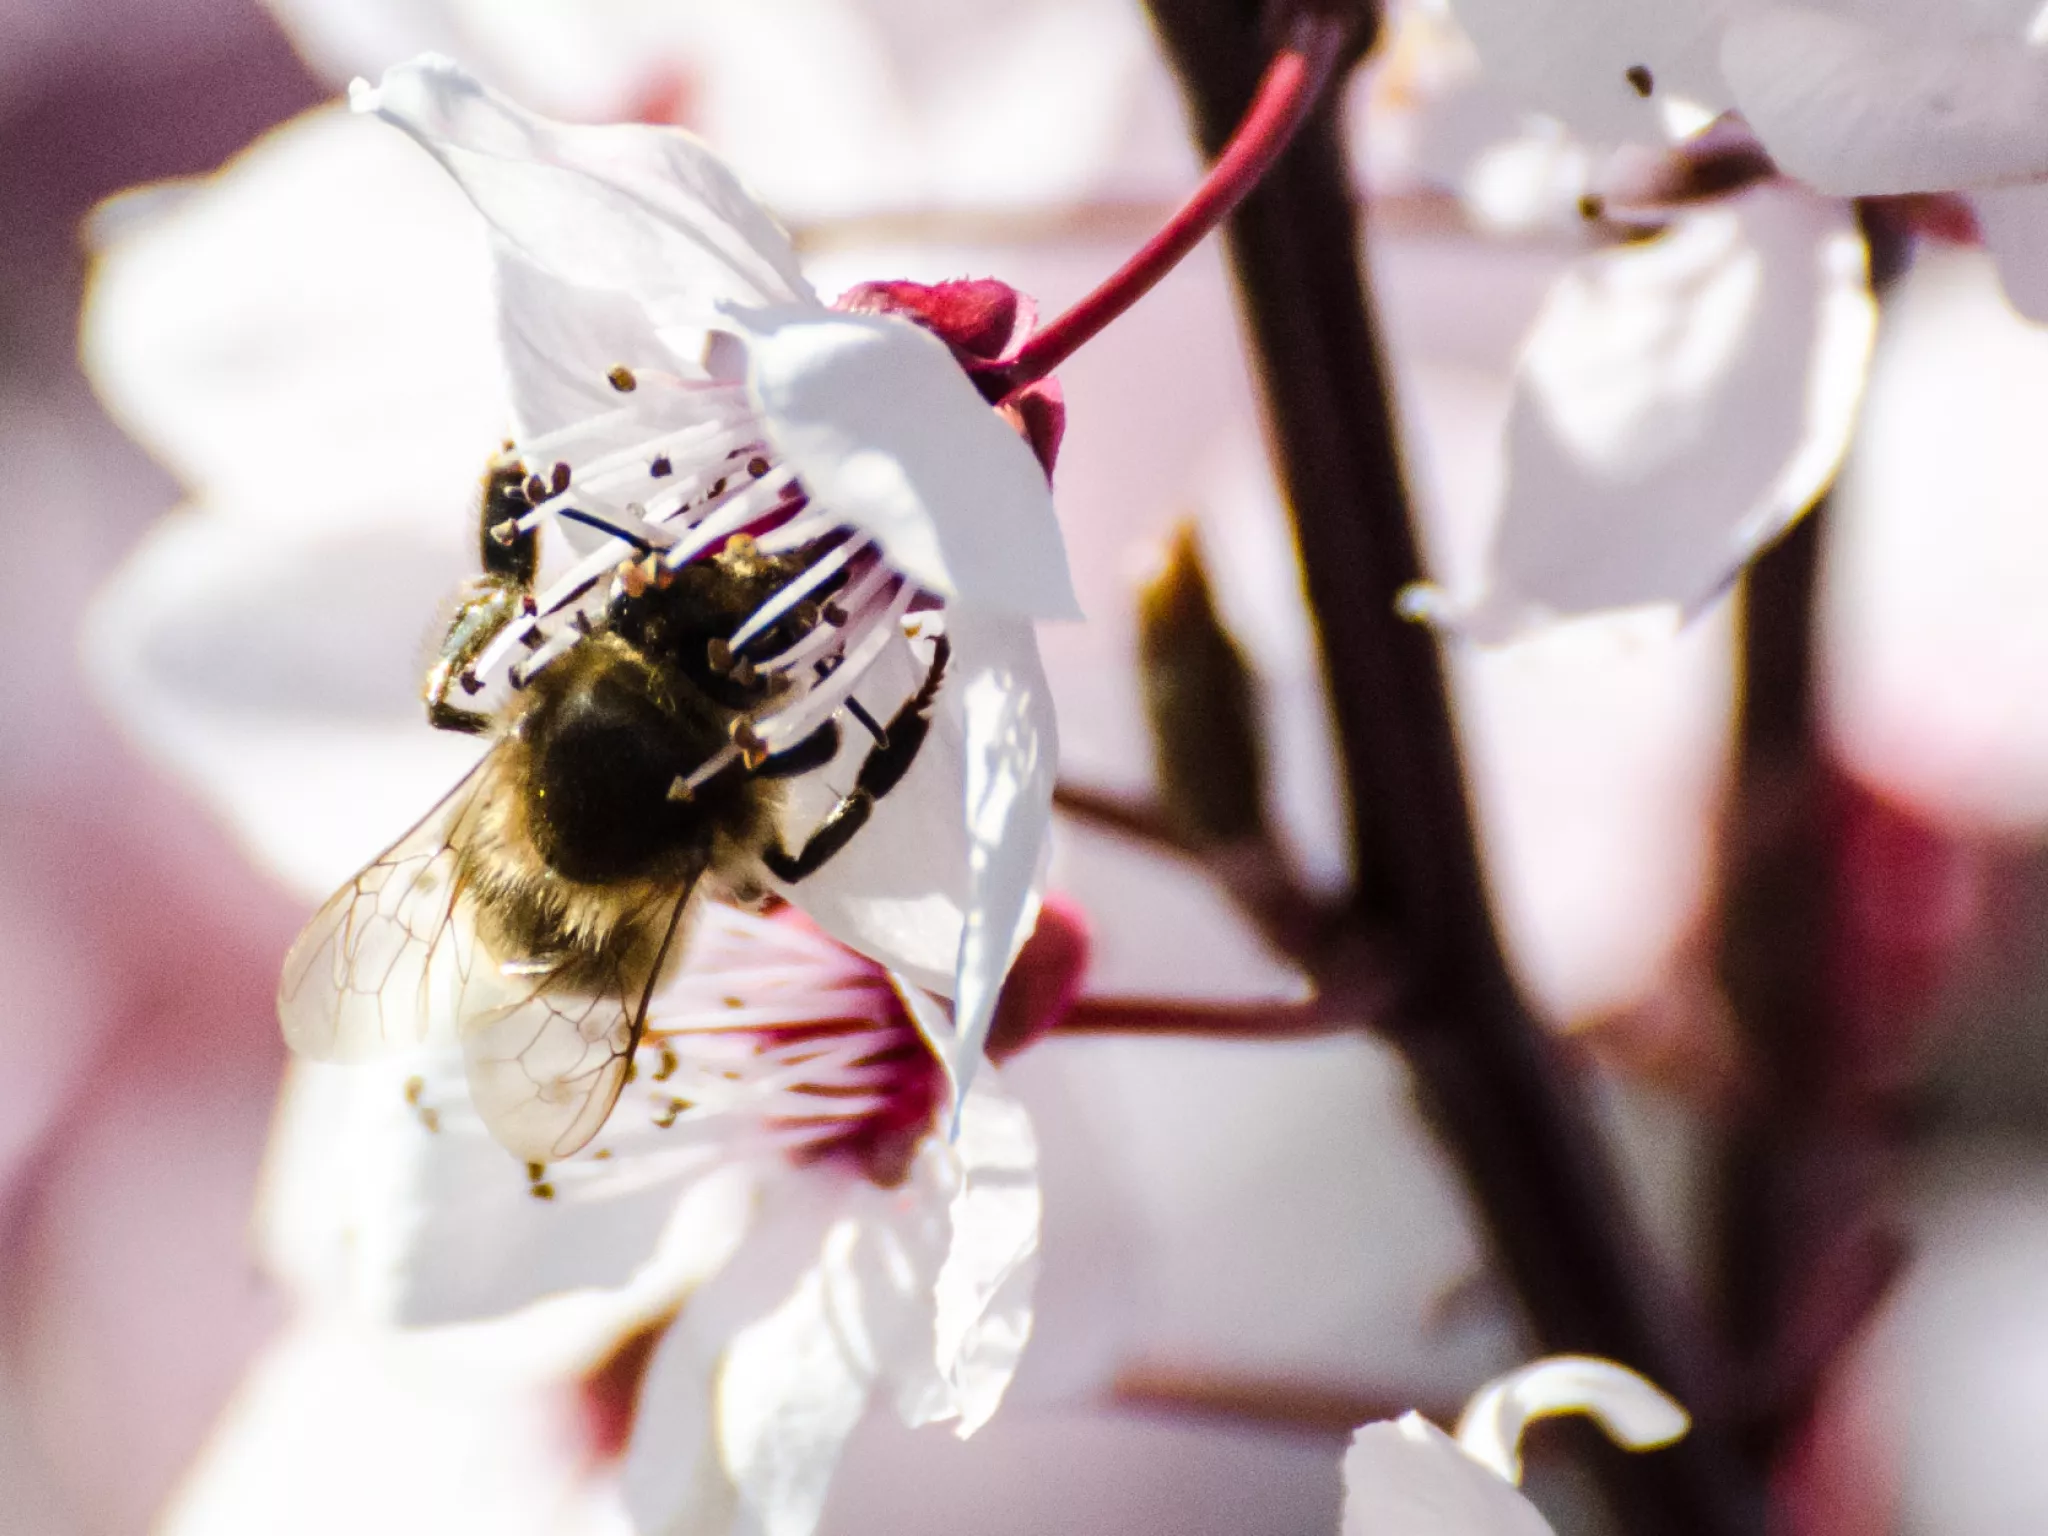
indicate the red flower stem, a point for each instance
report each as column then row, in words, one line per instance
column 1292, row 86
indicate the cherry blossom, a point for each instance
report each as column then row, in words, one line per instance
column 771, row 1204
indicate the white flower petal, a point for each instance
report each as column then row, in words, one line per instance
column 278, row 676
column 987, row 1178
column 1937, row 637
column 832, row 108
column 642, row 210
column 1408, row 1478
column 305, row 334
column 560, row 341
column 1636, row 1413
column 1012, row 751
column 386, row 1192
column 340, row 1429
column 942, row 884
column 2014, row 222
column 899, row 891
column 1573, row 57
column 1749, row 325
column 754, row 1388
column 1165, row 1247
column 841, row 1286
column 844, row 108
column 1854, row 108
column 885, row 431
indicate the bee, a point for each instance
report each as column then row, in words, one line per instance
column 539, row 905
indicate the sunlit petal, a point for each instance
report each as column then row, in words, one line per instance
column 899, row 891
column 341, row 1429
column 304, row 337
column 885, row 429
column 1937, row 637
column 641, row 210
column 384, row 1178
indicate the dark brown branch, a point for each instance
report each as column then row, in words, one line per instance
column 1488, row 1075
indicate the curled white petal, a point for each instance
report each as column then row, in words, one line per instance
column 628, row 207
column 886, row 431
column 1636, row 1413
column 1406, row 1477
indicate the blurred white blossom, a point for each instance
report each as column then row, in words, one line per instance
column 1937, row 638
column 1851, row 97
column 878, row 105
column 1679, row 402
column 1686, row 392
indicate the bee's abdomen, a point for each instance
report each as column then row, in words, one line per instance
column 601, row 757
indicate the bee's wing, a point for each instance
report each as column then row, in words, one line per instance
column 546, row 1063
column 386, row 958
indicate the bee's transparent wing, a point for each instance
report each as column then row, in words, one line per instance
column 546, row 1062
column 386, row 959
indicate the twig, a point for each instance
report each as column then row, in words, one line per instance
column 1212, row 1021
column 1260, row 1400
column 1131, row 816
column 1487, row 1073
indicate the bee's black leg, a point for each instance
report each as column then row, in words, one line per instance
column 880, row 771
column 825, row 844
column 507, row 555
column 814, row 751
